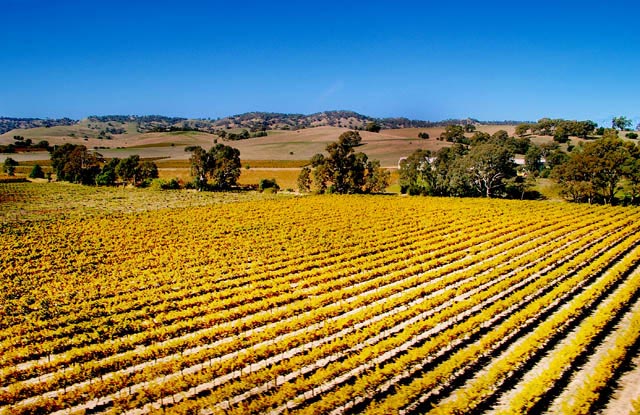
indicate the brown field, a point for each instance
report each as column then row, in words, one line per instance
column 286, row 150
column 286, row 178
column 388, row 146
column 280, row 155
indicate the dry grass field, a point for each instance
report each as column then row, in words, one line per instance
column 388, row 146
column 284, row 151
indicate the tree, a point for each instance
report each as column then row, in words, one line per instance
column 423, row 135
column 417, row 176
column 632, row 172
column 631, row 135
column 130, row 170
column 533, row 160
column 345, row 171
column 518, row 186
column 561, row 134
column 450, row 178
column 544, row 126
column 469, row 128
column 488, row 165
column 500, row 136
column 574, row 176
column 582, row 129
column 226, row 166
column 609, row 156
column 36, row 172
column 44, row 144
column 269, row 185
column 522, row 129
column 200, row 166
column 60, row 157
column 595, row 170
column 554, row 158
column 147, row 170
column 453, row 134
column 127, row 168
column 621, row 123
column 610, row 133
column 548, row 147
column 377, row 178
column 107, row 176
column 479, row 137
column 9, row 166
column 304, row 179
column 221, row 164
column 74, row 163
column 373, row 127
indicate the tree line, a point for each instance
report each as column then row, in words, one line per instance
column 595, row 172
column 76, row 164
column 601, row 170
column 482, row 166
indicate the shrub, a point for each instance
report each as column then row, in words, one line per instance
column 161, row 184
column 36, row 172
column 9, row 166
column 268, row 185
column 632, row 135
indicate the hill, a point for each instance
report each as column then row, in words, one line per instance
column 387, row 146
column 107, row 125
column 262, row 121
column 9, row 123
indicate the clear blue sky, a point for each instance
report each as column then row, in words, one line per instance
column 424, row 60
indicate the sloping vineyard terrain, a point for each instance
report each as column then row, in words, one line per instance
column 332, row 304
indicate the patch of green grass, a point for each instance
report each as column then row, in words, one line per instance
column 549, row 189
column 393, row 188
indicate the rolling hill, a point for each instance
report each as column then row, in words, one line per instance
column 105, row 125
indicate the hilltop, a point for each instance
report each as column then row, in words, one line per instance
column 11, row 123
column 254, row 121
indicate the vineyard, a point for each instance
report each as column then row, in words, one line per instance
column 322, row 305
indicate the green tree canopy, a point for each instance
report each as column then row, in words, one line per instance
column 453, row 134
column 522, row 129
column 75, row 163
column 345, row 171
column 220, row 165
column 417, row 176
column 127, row 168
column 373, row 127
column 621, row 123
column 304, row 179
column 36, row 172
column 488, row 165
column 107, row 176
column 594, row 171
column 533, row 160
column 480, row 170
column 9, row 166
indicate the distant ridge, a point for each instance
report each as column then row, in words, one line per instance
column 254, row 121
column 10, row 123
column 336, row 118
